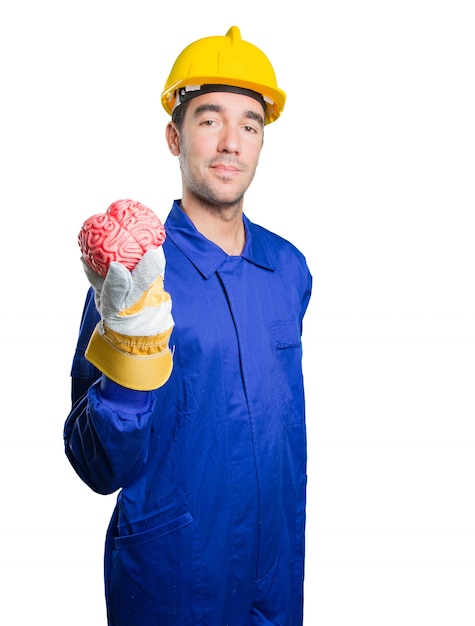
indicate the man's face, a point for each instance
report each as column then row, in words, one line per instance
column 220, row 143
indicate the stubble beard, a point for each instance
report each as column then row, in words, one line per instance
column 207, row 196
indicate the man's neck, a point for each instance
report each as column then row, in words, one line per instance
column 223, row 225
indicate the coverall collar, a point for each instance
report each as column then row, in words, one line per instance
column 205, row 255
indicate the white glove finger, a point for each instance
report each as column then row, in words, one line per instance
column 93, row 277
column 118, row 284
column 149, row 267
column 144, row 274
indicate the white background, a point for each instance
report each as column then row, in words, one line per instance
column 370, row 171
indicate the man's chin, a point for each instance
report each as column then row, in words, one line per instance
column 226, row 200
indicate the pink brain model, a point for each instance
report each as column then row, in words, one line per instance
column 123, row 233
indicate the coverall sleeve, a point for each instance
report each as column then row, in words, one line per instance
column 306, row 296
column 107, row 431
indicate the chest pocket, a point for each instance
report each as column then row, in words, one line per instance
column 287, row 348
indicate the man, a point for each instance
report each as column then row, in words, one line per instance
column 210, row 458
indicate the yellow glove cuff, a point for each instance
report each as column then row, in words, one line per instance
column 140, row 363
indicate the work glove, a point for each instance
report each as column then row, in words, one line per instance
column 130, row 343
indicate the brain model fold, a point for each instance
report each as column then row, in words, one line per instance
column 123, row 233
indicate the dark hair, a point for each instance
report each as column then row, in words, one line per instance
column 178, row 114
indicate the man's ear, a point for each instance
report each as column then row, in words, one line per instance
column 173, row 138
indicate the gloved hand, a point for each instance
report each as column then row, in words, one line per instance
column 130, row 343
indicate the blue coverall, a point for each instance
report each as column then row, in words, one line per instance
column 210, row 516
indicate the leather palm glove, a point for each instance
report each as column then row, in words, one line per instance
column 130, row 343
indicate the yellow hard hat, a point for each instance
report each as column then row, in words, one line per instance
column 224, row 61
